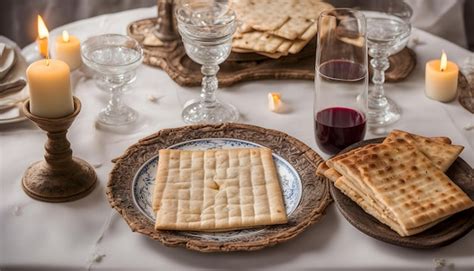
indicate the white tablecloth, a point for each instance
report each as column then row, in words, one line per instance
column 88, row 234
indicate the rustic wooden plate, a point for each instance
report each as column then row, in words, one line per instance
column 315, row 195
column 171, row 57
column 442, row 234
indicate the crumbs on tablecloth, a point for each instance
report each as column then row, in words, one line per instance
column 152, row 98
column 98, row 257
column 469, row 127
column 17, row 211
column 442, row 264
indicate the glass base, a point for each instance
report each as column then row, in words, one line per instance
column 125, row 115
column 383, row 113
column 194, row 112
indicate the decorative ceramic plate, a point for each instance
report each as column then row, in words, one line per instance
column 306, row 195
column 439, row 235
column 145, row 178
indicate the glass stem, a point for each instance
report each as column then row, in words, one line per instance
column 209, row 85
column 377, row 97
column 115, row 102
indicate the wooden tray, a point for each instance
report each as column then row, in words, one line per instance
column 171, row 57
column 315, row 195
column 442, row 234
column 466, row 93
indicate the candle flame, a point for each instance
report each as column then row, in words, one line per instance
column 276, row 97
column 444, row 62
column 274, row 101
column 65, row 36
column 42, row 29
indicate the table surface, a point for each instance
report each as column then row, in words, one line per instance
column 89, row 234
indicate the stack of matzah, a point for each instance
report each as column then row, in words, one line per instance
column 401, row 182
column 217, row 190
column 275, row 28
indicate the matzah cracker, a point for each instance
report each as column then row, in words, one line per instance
column 216, row 190
column 263, row 15
column 297, row 46
column 406, row 182
column 377, row 212
column 284, row 47
column 440, row 153
column 283, row 26
column 275, row 55
column 257, row 42
column 293, row 28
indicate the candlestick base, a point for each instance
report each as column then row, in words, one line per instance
column 59, row 177
column 43, row 183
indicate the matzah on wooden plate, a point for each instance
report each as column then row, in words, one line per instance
column 427, row 207
column 217, row 190
column 305, row 195
column 275, row 28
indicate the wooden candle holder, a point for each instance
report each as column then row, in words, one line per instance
column 59, row 177
column 166, row 23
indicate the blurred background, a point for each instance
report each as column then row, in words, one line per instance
column 450, row 19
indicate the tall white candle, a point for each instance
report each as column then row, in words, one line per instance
column 50, row 88
column 68, row 49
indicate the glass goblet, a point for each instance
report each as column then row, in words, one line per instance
column 206, row 28
column 388, row 31
column 115, row 58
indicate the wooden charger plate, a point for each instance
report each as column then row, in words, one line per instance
column 440, row 235
column 314, row 199
column 239, row 67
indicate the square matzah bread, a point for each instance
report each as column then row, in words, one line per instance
column 377, row 211
column 438, row 150
column 275, row 27
column 217, row 190
column 405, row 182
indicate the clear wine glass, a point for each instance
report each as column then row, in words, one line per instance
column 341, row 84
column 388, row 32
column 206, row 28
column 115, row 58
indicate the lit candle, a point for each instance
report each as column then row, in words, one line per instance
column 42, row 39
column 50, row 88
column 68, row 49
column 441, row 79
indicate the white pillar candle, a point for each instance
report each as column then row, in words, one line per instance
column 50, row 88
column 441, row 79
column 68, row 49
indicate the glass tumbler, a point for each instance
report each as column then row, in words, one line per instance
column 341, row 84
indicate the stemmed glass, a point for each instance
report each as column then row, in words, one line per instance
column 388, row 31
column 115, row 58
column 206, row 28
column 341, row 84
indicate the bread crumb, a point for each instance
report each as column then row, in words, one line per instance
column 439, row 262
column 17, row 211
column 98, row 258
column 152, row 98
column 469, row 127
